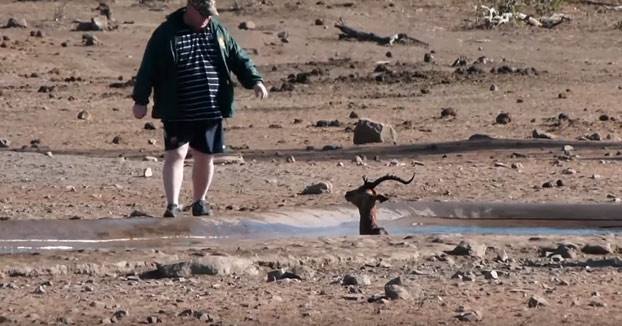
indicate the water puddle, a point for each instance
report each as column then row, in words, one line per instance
column 339, row 220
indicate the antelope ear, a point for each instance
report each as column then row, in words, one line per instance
column 381, row 198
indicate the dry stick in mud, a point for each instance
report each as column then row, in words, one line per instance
column 365, row 198
column 401, row 38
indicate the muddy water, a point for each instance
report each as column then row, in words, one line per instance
column 397, row 218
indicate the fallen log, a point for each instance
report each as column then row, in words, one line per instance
column 399, row 38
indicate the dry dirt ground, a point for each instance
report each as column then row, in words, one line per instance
column 58, row 166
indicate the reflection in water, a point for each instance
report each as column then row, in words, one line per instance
column 340, row 220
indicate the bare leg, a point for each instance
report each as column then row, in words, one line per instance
column 173, row 173
column 202, row 173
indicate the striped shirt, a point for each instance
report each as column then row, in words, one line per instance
column 197, row 76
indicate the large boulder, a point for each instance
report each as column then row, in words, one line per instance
column 368, row 131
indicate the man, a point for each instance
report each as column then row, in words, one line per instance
column 187, row 63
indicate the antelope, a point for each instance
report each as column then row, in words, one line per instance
column 365, row 198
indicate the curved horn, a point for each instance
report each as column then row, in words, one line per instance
column 372, row 185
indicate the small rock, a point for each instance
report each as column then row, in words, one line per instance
column 597, row 303
column 536, row 133
column 4, row 143
column 153, row 320
column 89, row 39
column 319, row 22
column 448, row 112
column 353, row 280
column 569, row 171
column 318, row 188
column 595, row 176
column 354, row 297
column 247, row 25
column 493, row 87
column 517, row 166
column 40, row 290
column 470, row 316
column 402, row 288
column 150, row 126
column 428, row 57
column 120, row 314
column 367, row 131
column 152, row 141
column 465, row 248
column 503, row 118
column 491, row 275
column 353, row 115
column 84, row 115
column 536, row 301
column 502, row 256
column 65, row 320
column 594, row 137
column 150, row 159
column 16, row 23
column 147, row 173
column 291, row 159
column 117, row 140
column 603, row 117
column 597, row 249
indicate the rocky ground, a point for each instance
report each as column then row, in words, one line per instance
column 69, row 149
column 441, row 280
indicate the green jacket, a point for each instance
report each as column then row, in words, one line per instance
column 158, row 69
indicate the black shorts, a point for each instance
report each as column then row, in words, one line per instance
column 205, row 136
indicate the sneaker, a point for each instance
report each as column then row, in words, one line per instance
column 172, row 210
column 200, row 208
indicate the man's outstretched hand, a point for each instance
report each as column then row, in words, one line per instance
column 140, row 111
column 260, row 90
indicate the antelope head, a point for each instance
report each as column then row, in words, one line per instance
column 365, row 198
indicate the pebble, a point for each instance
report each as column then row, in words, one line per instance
column 536, row 301
column 147, row 173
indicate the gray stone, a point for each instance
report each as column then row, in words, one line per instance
column 502, row 256
column 490, row 275
column 153, row 320
column 402, row 288
column 89, row 39
column 536, row 301
column 603, row 249
column 210, row 265
column 65, row 320
column 247, row 25
column 356, row 280
column 84, row 115
column 4, row 143
column 367, row 131
column 470, row 315
column 40, row 289
column 503, row 118
column 16, row 23
column 354, row 297
column 465, row 248
column 95, row 24
column 318, row 188
column 536, row 133
column 305, row 272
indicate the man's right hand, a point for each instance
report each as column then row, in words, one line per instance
column 140, row 111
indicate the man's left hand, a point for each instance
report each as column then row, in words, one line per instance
column 260, row 90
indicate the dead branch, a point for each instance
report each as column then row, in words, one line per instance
column 400, row 38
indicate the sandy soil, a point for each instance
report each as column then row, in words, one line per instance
column 61, row 167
